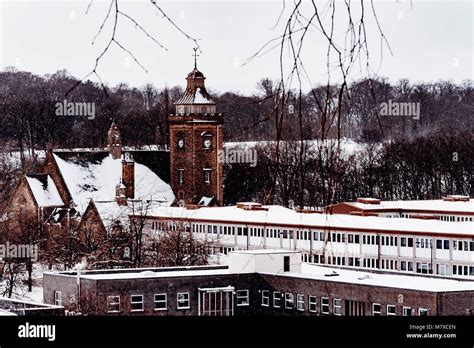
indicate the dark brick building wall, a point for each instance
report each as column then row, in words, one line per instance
column 194, row 158
column 366, row 295
column 456, row 303
column 355, row 299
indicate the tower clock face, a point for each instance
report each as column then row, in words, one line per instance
column 180, row 143
column 207, row 143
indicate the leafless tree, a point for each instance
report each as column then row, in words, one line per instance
column 299, row 24
column 177, row 246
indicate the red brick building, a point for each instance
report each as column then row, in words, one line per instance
column 195, row 145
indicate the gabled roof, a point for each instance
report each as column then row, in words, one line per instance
column 44, row 190
column 96, row 178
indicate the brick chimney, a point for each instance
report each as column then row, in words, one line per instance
column 114, row 141
column 128, row 175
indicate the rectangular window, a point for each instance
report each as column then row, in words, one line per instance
column 376, row 309
column 207, row 176
column 442, row 269
column 180, row 176
column 161, row 302
column 113, row 304
column 289, row 300
column 439, row 244
column 324, row 305
column 276, row 299
column 312, row 303
column 183, row 300
column 300, row 302
column 58, row 298
column 391, row 310
column 136, row 303
column 337, row 307
column 242, row 297
column 406, row 311
column 422, row 312
column 265, row 298
column 286, row 263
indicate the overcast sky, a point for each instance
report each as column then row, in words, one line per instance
column 430, row 40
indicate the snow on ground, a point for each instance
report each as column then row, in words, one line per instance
column 348, row 146
column 13, row 157
column 4, row 312
column 36, row 295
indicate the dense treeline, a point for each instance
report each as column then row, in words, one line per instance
column 28, row 120
column 424, row 167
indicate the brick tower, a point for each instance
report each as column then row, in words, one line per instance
column 114, row 141
column 196, row 144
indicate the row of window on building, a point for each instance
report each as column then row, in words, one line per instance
column 287, row 301
column 160, row 302
column 389, row 264
column 449, row 218
column 335, row 237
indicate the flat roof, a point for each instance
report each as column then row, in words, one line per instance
column 308, row 271
column 279, row 216
column 134, row 274
column 398, row 281
column 433, row 205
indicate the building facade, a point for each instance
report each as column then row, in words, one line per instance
column 262, row 282
column 196, row 145
column 428, row 247
column 452, row 208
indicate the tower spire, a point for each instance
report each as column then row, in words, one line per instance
column 195, row 57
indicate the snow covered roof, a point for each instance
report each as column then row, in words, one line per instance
column 96, row 180
column 274, row 215
column 151, row 274
column 111, row 212
column 308, row 271
column 44, row 190
column 195, row 96
column 420, row 283
column 437, row 205
column 205, row 201
column 348, row 146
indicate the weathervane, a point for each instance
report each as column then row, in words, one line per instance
column 195, row 57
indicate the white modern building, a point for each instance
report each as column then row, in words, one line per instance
column 432, row 247
column 453, row 208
